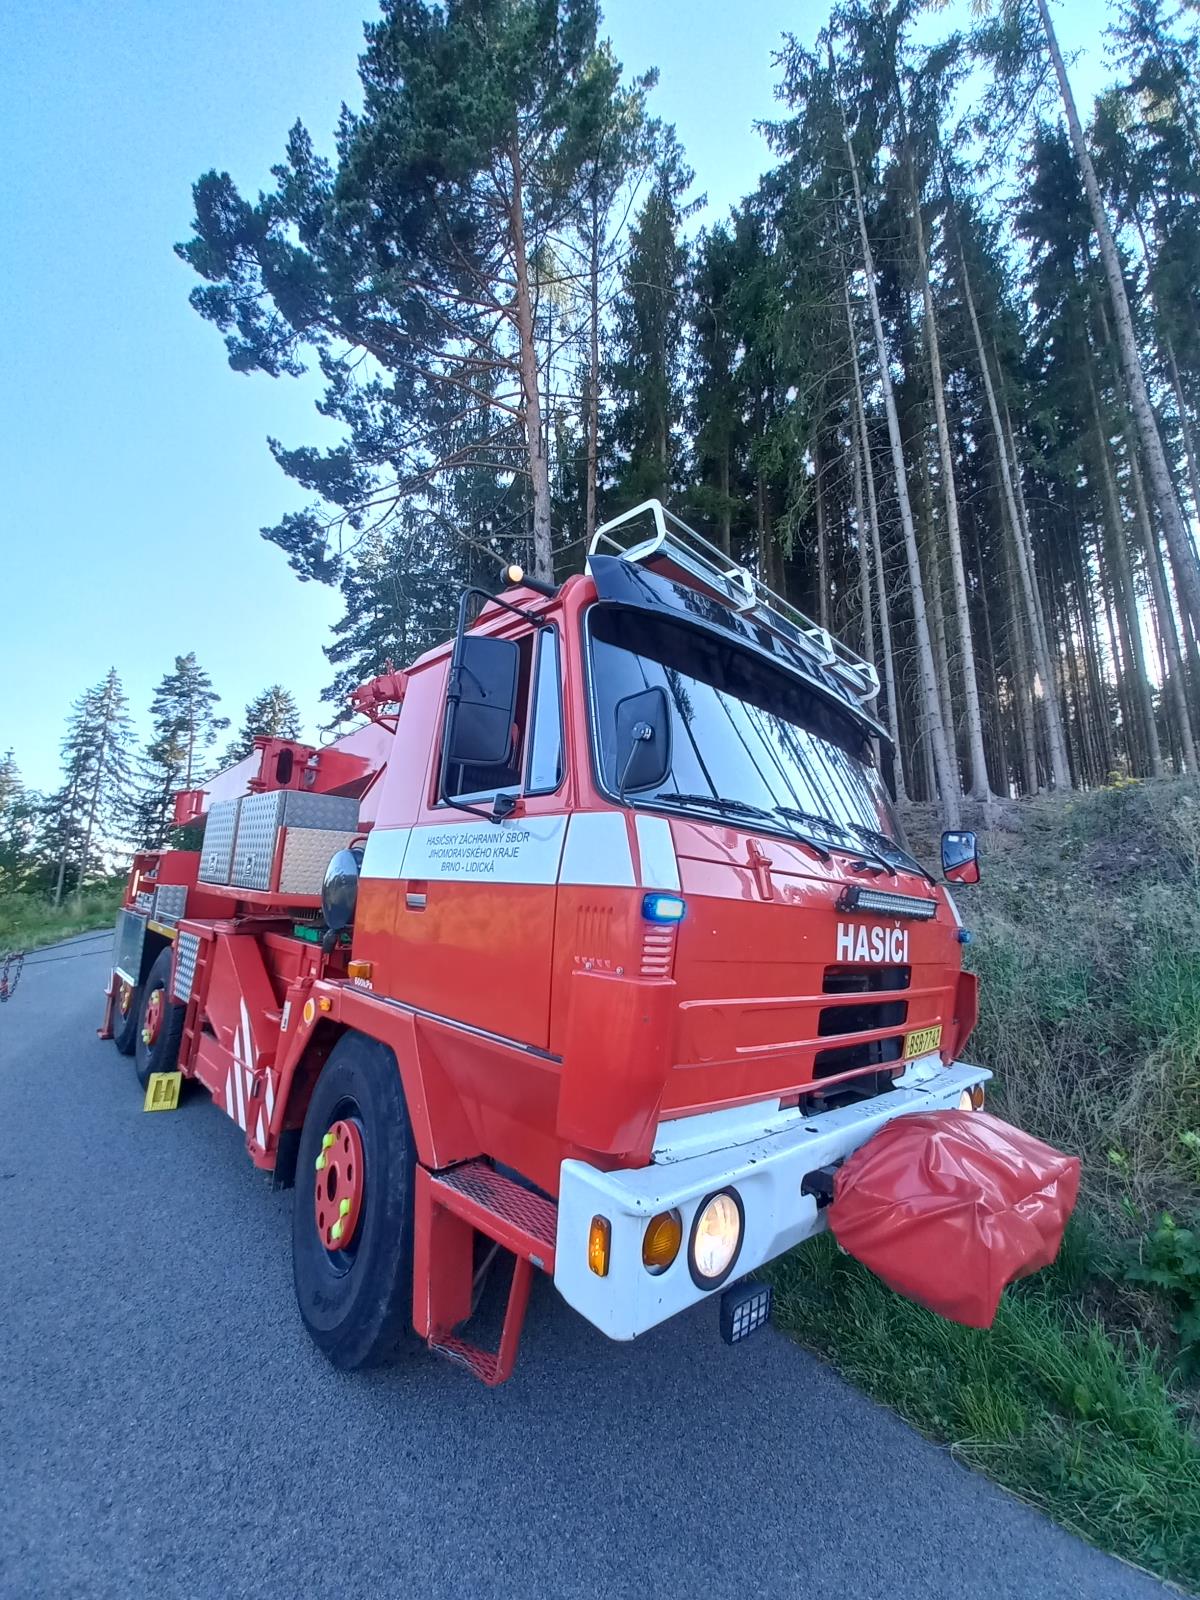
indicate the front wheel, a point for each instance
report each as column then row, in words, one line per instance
column 156, row 1046
column 352, row 1214
column 126, row 1015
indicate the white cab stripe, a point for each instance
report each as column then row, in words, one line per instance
column 384, row 854
column 587, row 848
column 525, row 850
column 660, row 868
column 597, row 851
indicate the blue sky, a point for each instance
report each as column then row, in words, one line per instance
column 134, row 463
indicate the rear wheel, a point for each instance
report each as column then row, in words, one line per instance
column 126, row 1015
column 156, row 1045
column 352, row 1215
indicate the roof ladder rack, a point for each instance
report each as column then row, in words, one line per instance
column 672, row 544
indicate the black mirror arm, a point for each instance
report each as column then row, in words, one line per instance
column 642, row 734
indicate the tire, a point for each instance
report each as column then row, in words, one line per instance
column 125, row 1028
column 356, row 1301
column 162, row 1054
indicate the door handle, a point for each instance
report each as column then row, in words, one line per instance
column 415, row 897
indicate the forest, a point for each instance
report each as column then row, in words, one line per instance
column 935, row 378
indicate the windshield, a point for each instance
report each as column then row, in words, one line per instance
column 747, row 742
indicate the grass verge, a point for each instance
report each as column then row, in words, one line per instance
column 28, row 921
column 1045, row 1402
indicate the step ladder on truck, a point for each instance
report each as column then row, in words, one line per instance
column 598, row 947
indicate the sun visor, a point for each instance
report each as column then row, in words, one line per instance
column 949, row 1207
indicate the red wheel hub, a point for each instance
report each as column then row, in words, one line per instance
column 154, row 1015
column 338, row 1191
column 124, row 998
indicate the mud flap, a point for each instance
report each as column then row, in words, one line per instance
column 949, row 1207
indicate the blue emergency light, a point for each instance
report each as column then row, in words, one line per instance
column 663, row 907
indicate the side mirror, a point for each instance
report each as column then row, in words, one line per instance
column 480, row 719
column 643, row 740
column 339, row 895
column 960, row 858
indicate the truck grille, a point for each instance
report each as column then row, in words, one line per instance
column 868, row 1016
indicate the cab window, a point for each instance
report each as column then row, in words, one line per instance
column 545, row 770
column 536, row 746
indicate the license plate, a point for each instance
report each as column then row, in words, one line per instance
column 921, row 1041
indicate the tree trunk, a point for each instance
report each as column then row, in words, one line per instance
column 593, row 395
column 1162, row 489
column 539, row 472
column 885, row 619
column 1173, row 685
column 822, row 540
column 725, row 525
column 945, row 769
column 1044, row 662
column 1060, row 770
column 1127, row 608
column 864, row 559
column 980, row 786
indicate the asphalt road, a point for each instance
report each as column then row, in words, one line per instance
column 167, row 1429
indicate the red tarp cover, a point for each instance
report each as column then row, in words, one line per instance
column 948, row 1207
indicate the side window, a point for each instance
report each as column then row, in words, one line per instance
column 472, row 783
column 544, row 771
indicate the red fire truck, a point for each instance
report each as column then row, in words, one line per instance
column 599, row 942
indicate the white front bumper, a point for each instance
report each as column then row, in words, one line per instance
column 767, row 1171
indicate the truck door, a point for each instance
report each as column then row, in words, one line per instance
column 475, row 914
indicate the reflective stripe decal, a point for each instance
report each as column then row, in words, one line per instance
column 589, row 848
column 597, row 851
column 660, row 868
column 384, row 854
column 526, row 850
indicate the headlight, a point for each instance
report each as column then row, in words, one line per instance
column 716, row 1238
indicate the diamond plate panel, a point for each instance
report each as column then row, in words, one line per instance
column 170, row 902
column 262, row 815
column 255, row 848
column 220, row 828
column 186, row 949
column 306, row 853
column 301, row 810
column 128, row 939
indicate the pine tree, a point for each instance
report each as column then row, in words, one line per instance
column 646, row 370
column 92, row 802
column 273, row 714
column 185, row 729
column 417, row 250
column 18, row 814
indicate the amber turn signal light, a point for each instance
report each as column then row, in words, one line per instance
column 358, row 969
column 599, row 1237
column 661, row 1241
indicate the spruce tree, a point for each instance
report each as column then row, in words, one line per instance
column 273, row 714
column 18, row 815
column 92, row 802
column 646, row 371
column 185, row 728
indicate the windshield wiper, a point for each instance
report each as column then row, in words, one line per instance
column 844, row 831
column 879, row 842
column 715, row 802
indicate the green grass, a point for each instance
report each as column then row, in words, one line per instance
column 28, row 921
column 1046, row 1402
column 1087, row 942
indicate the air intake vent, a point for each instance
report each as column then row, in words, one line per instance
column 854, row 1057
